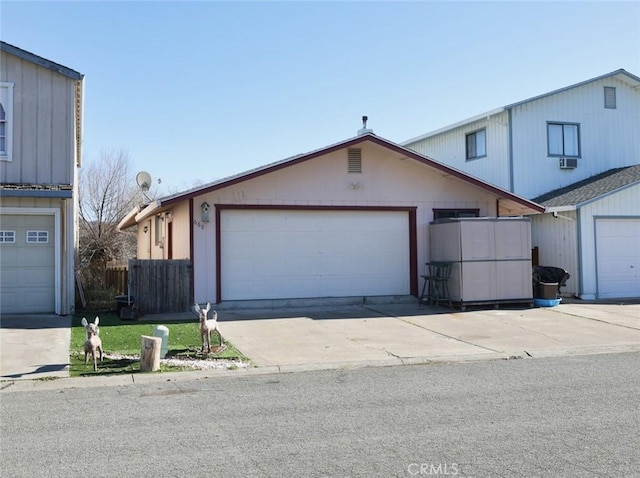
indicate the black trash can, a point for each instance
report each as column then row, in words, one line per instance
column 546, row 290
column 547, row 281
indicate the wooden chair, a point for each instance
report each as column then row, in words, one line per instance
column 436, row 283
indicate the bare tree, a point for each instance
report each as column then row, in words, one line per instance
column 107, row 192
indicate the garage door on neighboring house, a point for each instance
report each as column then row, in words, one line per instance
column 618, row 257
column 284, row 254
column 27, row 264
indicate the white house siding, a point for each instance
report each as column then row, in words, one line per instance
column 387, row 179
column 608, row 137
column 556, row 239
column 450, row 148
column 625, row 203
column 43, row 124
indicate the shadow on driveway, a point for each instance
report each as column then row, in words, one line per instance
column 34, row 346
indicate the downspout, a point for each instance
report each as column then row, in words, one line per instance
column 64, row 262
column 579, row 240
column 510, row 140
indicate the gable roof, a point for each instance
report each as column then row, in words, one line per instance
column 65, row 71
column 38, row 60
column 620, row 74
column 590, row 189
column 513, row 201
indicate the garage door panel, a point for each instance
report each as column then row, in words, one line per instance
column 27, row 274
column 618, row 257
column 314, row 254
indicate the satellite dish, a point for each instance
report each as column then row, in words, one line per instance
column 143, row 179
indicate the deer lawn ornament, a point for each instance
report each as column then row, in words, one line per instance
column 207, row 325
column 92, row 344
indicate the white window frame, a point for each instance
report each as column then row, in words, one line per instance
column 564, row 139
column 6, row 98
column 7, row 237
column 37, row 237
column 479, row 138
column 610, row 101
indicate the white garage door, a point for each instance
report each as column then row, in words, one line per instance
column 278, row 254
column 27, row 264
column 618, row 257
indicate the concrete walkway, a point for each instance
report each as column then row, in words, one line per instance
column 322, row 337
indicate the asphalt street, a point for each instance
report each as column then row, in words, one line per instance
column 558, row 416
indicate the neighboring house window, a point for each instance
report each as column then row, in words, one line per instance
column 37, row 237
column 563, row 139
column 6, row 120
column 609, row 97
column 447, row 213
column 7, row 237
column 476, row 144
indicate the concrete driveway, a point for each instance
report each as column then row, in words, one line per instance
column 296, row 338
column 34, row 346
column 410, row 333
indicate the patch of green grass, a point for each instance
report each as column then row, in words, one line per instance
column 123, row 337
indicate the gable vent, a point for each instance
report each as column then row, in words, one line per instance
column 355, row 160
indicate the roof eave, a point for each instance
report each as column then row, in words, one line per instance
column 631, row 78
column 525, row 204
column 38, row 60
column 453, row 126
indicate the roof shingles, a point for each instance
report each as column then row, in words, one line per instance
column 591, row 188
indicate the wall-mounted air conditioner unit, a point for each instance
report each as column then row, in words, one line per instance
column 568, row 163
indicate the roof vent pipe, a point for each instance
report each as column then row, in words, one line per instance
column 364, row 129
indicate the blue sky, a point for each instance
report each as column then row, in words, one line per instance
column 196, row 91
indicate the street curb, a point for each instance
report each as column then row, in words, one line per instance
column 9, row 386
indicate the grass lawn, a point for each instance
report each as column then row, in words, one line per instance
column 123, row 337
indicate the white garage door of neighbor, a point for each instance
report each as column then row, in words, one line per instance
column 284, row 254
column 27, row 264
column 618, row 257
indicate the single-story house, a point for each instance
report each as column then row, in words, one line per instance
column 347, row 220
column 592, row 228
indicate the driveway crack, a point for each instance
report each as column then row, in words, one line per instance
column 431, row 330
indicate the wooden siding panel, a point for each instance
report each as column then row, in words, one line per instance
column 62, row 114
column 449, row 148
column 43, row 118
column 42, row 136
column 556, row 239
column 608, row 137
column 27, row 123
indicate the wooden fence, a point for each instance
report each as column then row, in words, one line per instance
column 161, row 285
column 117, row 278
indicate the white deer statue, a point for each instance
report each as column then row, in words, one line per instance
column 92, row 344
column 207, row 325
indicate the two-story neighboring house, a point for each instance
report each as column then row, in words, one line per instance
column 40, row 152
column 542, row 148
